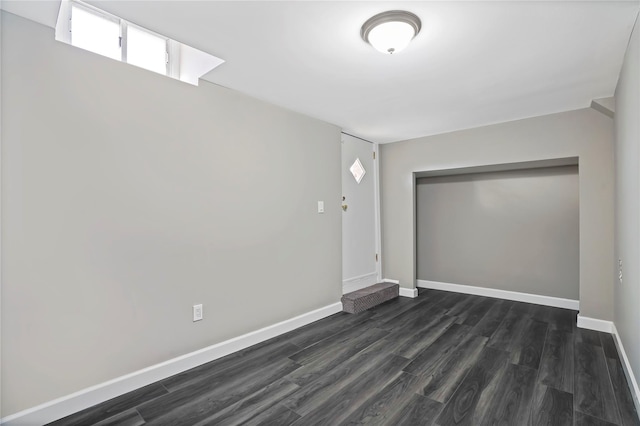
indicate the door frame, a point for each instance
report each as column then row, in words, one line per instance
column 376, row 197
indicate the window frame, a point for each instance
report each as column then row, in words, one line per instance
column 97, row 12
column 172, row 59
column 184, row 63
column 124, row 44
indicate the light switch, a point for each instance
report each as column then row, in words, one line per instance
column 320, row 206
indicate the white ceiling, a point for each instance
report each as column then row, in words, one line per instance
column 474, row 63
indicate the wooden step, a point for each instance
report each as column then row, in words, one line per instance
column 368, row 297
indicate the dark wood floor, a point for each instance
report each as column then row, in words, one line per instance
column 441, row 359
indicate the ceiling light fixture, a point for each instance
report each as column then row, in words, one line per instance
column 390, row 32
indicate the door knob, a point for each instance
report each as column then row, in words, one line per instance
column 344, row 207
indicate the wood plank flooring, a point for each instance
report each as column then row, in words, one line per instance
column 441, row 359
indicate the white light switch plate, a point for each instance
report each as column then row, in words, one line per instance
column 320, row 206
column 198, row 313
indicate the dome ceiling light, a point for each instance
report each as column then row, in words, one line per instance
column 390, row 32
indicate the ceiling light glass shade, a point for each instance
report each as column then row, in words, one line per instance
column 390, row 32
column 391, row 37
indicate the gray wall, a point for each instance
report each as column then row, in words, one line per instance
column 513, row 230
column 586, row 134
column 627, row 155
column 127, row 197
column 1, row 411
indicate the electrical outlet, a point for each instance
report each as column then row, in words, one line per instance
column 198, row 313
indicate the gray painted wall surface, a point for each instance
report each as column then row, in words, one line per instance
column 512, row 230
column 627, row 155
column 584, row 133
column 128, row 197
column 1, row 411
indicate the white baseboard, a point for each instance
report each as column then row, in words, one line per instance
column 359, row 282
column 404, row 292
column 409, row 292
column 502, row 294
column 595, row 324
column 628, row 371
column 62, row 407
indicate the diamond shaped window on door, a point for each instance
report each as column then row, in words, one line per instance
column 357, row 170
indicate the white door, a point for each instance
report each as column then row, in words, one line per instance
column 359, row 215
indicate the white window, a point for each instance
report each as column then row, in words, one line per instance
column 107, row 35
column 96, row 32
column 92, row 29
column 147, row 50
